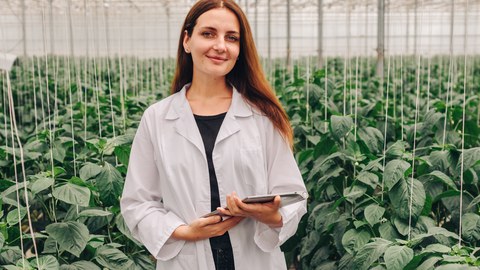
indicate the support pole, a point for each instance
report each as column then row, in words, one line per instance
column 380, row 37
column 320, row 34
column 289, row 37
column 269, row 31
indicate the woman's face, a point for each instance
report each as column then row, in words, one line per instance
column 214, row 43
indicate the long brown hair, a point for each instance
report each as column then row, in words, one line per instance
column 247, row 75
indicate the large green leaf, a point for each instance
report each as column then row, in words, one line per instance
column 396, row 150
column 72, row 194
column 354, row 239
column 80, row 265
column 370, row 253
column 2, row 240
column 113, row 258
column 373, row 214
column 340, row 126
column 368, row 178
column 46, row 263
column 400, row 198
column 13, row 216
column 110, row 184
column 309, row 244
column 471, row 227
column 89, row 170
column 470, row 158
column 41, row 184
column 388, row 232
column 94, row 213
column 72, row 236
column 122, row 152
column 443, row 178
column 397, row 257
column 372, row 138
column 394, row 171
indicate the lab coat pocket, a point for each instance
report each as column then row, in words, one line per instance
column 253, row 170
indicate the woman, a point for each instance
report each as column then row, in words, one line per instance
column 222, row 135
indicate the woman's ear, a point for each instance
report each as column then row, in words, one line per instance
column 186, row 39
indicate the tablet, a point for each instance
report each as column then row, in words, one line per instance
column 286, row 199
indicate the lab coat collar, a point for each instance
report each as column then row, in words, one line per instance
column 180, row 106
column 186, row 126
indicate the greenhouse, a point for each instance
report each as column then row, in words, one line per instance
column 383, row 99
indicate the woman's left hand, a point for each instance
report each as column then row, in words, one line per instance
column 264, row 212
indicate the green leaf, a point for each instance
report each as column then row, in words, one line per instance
column 122, row 227
column 475, row 202
column 89, row 170
column 401, row 226
column 388, row 232
column 470, row 158
column 372, row 138
column 110, row 184
column 309, row 244
column 444, row 178
column 2, row 241
column 113, row 258
column 80, row 265
column 373, row 214
column 396, row 150
column 41, row 184
column 72, row 236
column 429, row 263
column 370, row 253
column 442, row 231
column 368, row 178
column 353, row 193
column 397, row 257
column 94, row 213
column 72, row 194
column 58, row 151
column 471, row 227
column 122, row 152
column 354, row 239
column 12, row 216
column 340, row 126
column 46, row 263
column 436, row 248
column 394, row 171
column 400, row 198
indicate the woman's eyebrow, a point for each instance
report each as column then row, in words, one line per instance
column 215, row 29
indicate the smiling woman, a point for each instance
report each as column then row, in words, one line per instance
column 221, row 135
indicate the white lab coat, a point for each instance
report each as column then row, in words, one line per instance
column 168, row 185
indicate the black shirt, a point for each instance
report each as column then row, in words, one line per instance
column 209, row 127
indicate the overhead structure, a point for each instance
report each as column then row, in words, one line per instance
column 282, row 28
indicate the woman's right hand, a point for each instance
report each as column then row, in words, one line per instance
column 204, row 228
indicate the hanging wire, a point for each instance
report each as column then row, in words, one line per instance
column 463, row 124
column 386, row 122
column 417, row 99
column 14, row 129
column 326, row 93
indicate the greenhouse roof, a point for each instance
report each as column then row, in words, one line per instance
column 77, row 6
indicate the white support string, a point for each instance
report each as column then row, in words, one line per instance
column 13, row 129
column 417, row 99
column 463, row 125
column 386, row 122
column 326, row 93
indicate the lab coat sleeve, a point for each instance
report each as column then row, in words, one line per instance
column 141, row 202
column 283, row 176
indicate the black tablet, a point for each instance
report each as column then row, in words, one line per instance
column 286, row 199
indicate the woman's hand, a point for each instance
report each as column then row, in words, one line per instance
column 264, row 212
column 204, row 228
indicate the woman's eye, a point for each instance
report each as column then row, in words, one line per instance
column 232, row 38
column 207, row 34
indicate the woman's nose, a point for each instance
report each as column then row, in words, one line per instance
column 220, row 45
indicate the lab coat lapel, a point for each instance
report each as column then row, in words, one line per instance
column 238, row 108
column 185, row 124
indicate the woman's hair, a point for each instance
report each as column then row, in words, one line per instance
column 247, row 75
